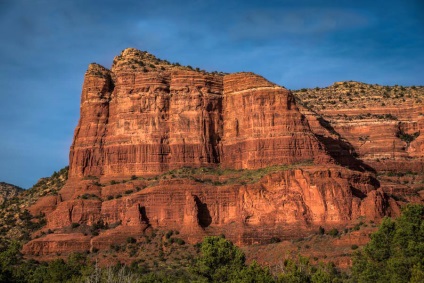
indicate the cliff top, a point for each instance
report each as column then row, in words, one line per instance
column 357, row 95
column 134, row 60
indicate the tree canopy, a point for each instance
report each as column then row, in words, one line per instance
column 395, row 252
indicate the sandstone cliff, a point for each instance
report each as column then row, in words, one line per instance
column 286, row 202
column 372, row 127
column 148, row 117
column 162, row 146
column 382, row 125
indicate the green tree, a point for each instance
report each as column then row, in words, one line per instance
column 76, row 267
column 219, row 259
column 395, row 252
column 296, row 272
column 10, row 258
column 326, row 273
column 56, row 271
column 254, row 273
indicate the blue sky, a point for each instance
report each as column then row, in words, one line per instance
column 46, row 46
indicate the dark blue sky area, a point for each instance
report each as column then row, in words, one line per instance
column 46, row 46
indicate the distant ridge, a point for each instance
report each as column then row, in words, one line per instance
column 8, row 191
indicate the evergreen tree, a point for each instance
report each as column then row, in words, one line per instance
column 395, row 252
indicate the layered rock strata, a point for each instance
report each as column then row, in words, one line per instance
column 284, row 204
column 383, row 126
column 138, row 121
column 257, row 169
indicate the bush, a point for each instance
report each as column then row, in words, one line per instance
column 179, row 241
column 354, row 247
column 407, row 137
column 131, row 240
column 275, row 240
column 169, row 234
column 115, row 247
column 100, row 224
column 25, row 215
column 333, row 232
column 75, row 225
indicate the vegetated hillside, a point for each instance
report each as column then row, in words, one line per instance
column 16, row 221
column 357, row 95
column 8, row 191
column 156, row 250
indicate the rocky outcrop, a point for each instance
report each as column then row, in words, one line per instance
column 139, row 122
column 380, row 125
column 284, row 204
column 161, row 146
column 58, row 244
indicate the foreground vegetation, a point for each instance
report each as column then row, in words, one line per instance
column 394, row 254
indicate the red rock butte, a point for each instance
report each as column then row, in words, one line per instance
column 145, row 117
column 139, row 121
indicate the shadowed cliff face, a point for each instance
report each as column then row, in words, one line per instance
column 244, row 162
column 382, row 125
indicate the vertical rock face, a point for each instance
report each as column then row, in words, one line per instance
column 262, row 125
column 152, row 117
column 86, row 154
column 136, row 122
